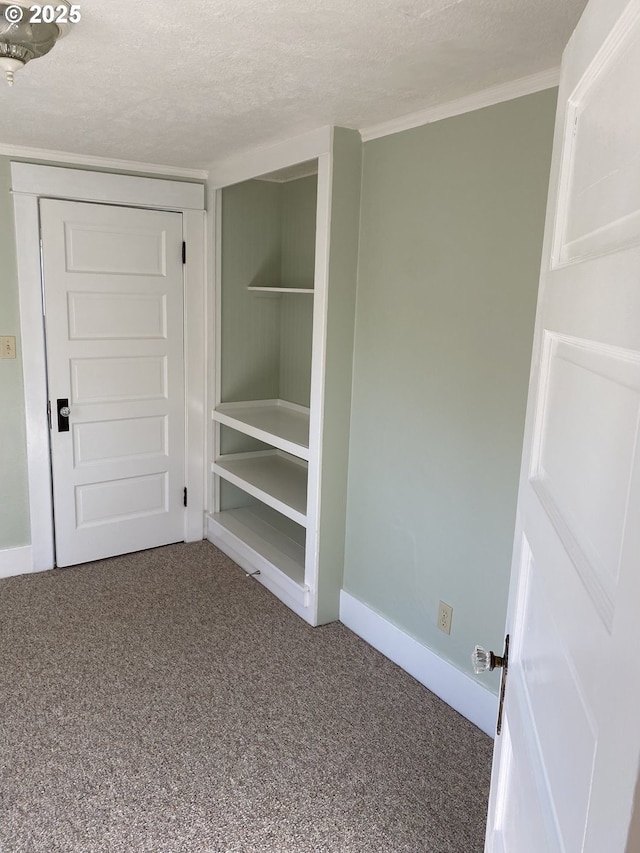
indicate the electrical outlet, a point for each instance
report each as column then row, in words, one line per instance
column 7, row 346
column 445, row 613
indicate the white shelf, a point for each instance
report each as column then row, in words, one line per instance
column 271, row 544
column 278, row 480
column 279, row 291
column 277, row 422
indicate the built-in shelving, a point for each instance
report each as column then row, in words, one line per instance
column 286, row 250
column 277, row 422
column 280, row 481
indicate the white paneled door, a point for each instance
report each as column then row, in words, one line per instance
column 567, row 761
column 113, row 289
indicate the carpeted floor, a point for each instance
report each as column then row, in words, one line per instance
column 163, row 702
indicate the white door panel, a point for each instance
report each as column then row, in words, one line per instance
column 113, row 285
column 566, row 765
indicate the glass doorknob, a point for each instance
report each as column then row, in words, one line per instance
column 65, row 411
column 484, row 661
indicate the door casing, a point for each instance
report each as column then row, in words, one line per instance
column 30, row 182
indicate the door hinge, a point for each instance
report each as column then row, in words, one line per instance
column 49, row 412
column 184, row 252
column 185, row 496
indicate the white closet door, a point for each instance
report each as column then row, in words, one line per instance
column 113, row 284
column 567, row 760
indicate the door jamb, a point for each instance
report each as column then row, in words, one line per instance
column 30, row 182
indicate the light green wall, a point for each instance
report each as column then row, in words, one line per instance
column 14, row 496
column 450, row 243
column 268, row 239
column 298, row 244
column 250, row 323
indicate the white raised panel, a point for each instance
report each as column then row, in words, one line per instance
column 555, row 699
column 114, row 251
column 520, row 807
column 130, row 438
column 581, row 468
column 118, row 500
column 600, row 211
column 102, row 380
column 117, row 316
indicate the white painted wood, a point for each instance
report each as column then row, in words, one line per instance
column 468, row 696
column 300, row 499
column 297, row 497
column 281, row 551
column 251, row 559
column 197, row 351
column 316, row 412
column 278, row 291
column 565, row 769
column 34, row 373
column 62, row 182
column 16, row 561
column 100, row 162
column 277, row 479
column 280, row 423
column 270, row 158
column 484, row 98
column 291, row 173
column 114, row 298
column 57, row 182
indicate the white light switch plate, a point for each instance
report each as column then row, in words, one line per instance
column 7, row 346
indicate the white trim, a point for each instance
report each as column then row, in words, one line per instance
column 16, row 561
column 270, row 158
column 196, row 355
column 78, row 185
column 485, row 98
column 462, row 692
column 215, row 338
column 29, row 183
column 27, row 229
column 318, row 365
column 108, row 163
column 293, row 174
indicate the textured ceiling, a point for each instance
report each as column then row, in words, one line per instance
column 186, row 83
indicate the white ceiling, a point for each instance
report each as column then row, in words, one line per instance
column 189, row 82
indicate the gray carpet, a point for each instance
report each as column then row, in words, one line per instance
column 163, row 702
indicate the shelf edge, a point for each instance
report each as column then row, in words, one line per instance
column 266, row 498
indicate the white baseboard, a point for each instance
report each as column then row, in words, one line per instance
column 469, row 698
column 16, row 561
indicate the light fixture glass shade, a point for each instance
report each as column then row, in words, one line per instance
column 22, row 41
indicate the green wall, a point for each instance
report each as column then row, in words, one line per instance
column 268, row 240
column 250, row 337
column 450, row 241
column 14, row 496
column 298, row 244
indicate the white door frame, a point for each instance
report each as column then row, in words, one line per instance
column 31, row 182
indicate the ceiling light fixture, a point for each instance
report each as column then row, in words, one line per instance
column 26, row 34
